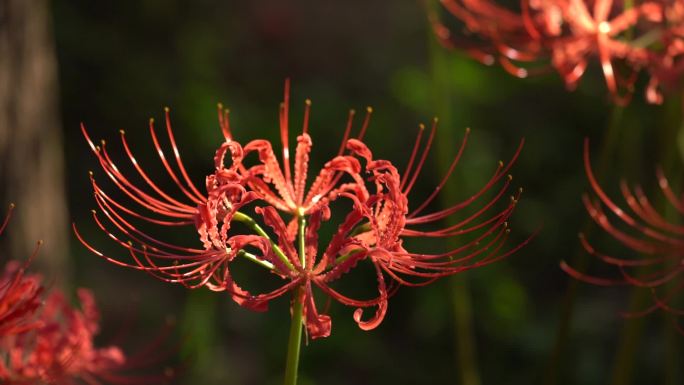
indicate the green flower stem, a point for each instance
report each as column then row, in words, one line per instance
column 255, row 259
column 624, row 364
column 673, row 371
column 459, row 288
column 344, row 257
column 582, row 258
column 360, row 229
column 252, row 224
column 295, row 342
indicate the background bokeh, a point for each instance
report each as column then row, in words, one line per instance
column 120, row 62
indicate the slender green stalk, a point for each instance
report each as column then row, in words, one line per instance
column 623, row 363
column 459, row 287
column 673, row 343
column 463, row 318
column 252, row 224
column 255, row 259
column 581, row 259
column 625, row 357
column 295, row 340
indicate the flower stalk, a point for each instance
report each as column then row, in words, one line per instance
column 254, row 226
column 295, row 339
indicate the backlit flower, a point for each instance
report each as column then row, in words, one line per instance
column 289, row 192
column 368, row 208
column 626, row 38
column 190, row 266
column 657, row 240
column 390, row 221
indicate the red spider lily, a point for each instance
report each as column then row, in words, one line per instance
column 307, row 271
column 659, row 242
column 236, row 192
column 19, row 295
column 568, row 33
column 61, row 349
column 47, row 341
column 189, row 266
column 291, row 196
column 390, row 221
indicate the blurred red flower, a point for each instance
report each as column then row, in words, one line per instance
column 246, row 192
column 657, row 240
column 626, row 37
column 19, row 295
column 45, row 340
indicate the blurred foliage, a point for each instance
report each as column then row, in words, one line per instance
column 122, row 61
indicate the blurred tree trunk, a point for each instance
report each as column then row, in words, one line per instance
column 31, row 157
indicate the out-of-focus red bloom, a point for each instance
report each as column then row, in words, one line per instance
column 19, row 295
column 268, row 191
column 646, row 35
column 61, row 350
column 45, row 340
column 658, row 241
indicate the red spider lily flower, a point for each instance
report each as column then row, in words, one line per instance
column 288, row 192
column 19, row 295
column 61, row 350
column 390, row 221
column 568, row 33
column 270, row 192
column 47, row 341
column 641, row 228
column 190, row 266
column 19, row 300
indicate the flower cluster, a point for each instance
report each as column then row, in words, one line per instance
column 625, row 36
column 45, row 340
column 658, row 241
column 19, row 296
column 250, row 187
